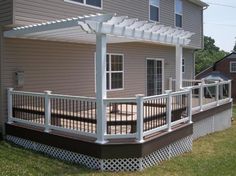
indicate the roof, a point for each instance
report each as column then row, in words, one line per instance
column 216, row 76
column 82, row 29
column 200, row 3
column 229, row 56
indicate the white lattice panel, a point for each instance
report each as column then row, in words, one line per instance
column 90, row 162
column 129, row 164
column 177, row 148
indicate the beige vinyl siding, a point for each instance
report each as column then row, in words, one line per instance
column 6, row 12
column 34, row 11
column 68, row 68
column 193, row 21
column 189, row 64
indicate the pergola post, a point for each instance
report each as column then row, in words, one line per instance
column 179, row 72
column 101, row 94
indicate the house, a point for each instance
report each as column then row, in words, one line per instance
column 88, row 81
column 224, row 69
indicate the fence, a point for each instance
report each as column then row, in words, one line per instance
column 185, row 83
column 134, row 118
column 205, row 96
column 53, row 112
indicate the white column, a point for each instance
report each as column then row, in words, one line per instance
column 101, row 94
column 169, row 109
column 139, row 130
column 178, row 69
column 190, row 100
column 47, row 111
column 9, row 98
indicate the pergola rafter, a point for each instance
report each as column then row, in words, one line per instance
column 109, row 24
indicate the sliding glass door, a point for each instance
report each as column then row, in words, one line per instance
column 155, row 71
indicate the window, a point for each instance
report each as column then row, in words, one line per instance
column 178, row 13
column 93, row 3
column 233, row 67
column 114, row 71
column 154, row 10
column 183, row 66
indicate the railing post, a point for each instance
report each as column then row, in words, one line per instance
column 201, row 96
column 217, row 92
column 47, row 110
column 9, row 108
column 190, row 100
column 170, row 83
column 169, row 109
column 139, row 130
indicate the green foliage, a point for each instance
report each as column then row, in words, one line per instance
column 209, row 55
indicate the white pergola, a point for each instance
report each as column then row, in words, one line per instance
column 101, row 29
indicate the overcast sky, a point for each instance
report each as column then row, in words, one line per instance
column 220, row 22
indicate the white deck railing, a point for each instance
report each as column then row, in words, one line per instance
column 125, row 117
column 185, row 83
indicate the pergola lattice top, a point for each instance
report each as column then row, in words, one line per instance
column 118, row 29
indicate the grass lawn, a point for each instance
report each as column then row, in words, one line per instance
column 212, row 155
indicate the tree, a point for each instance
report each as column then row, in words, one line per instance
column 209, row 55
column 234, row 47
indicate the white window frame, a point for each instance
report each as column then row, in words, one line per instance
column 159, row 16
column 123, row 72
column 181, row 14
column 85, row 4
column 163, row 73
column 232, row 62
column 183, row 65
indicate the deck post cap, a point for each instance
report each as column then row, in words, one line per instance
column 47, row 92
column 140, row 95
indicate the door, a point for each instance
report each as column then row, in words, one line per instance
column 155, row 70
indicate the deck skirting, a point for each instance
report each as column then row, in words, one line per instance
column 120, row 164
column 215, row 122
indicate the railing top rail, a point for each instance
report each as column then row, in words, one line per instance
column 120, row 100
column 186, row 91
column 155, row 97
column 189, row 80
column 209, row 84
column 14, row 92
column 72, row 97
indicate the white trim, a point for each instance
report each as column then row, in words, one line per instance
column 181, row 14
column 85, row 4
column 232, row 62
column 123, row 72
column 149, row 10
column 163, row 73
